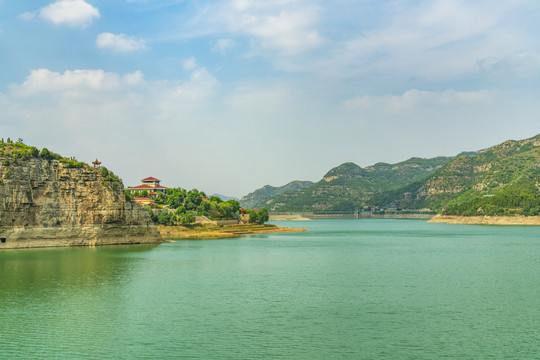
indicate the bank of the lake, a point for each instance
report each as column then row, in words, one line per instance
column 221, row 232
column 346, row 215
column 487, row 220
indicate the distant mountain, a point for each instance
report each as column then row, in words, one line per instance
column 260, row 197
column 501, row 180
column 348, row 186
column 225, row 197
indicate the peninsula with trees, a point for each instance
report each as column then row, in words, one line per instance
column 182, row 214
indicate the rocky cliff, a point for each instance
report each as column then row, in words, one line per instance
column 47, row 200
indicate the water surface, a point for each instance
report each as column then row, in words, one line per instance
column 346, row 289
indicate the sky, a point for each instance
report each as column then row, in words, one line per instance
column 228, row 96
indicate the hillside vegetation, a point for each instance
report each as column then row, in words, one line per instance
column 260, row 197
column 348, row 186
column 502, row 180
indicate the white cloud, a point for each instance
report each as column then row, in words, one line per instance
column 272, row 27
column 289, row 30
column 423, row 40
column 413, row 99
column 119, row 42
column 73, row 13
column 223, row 45
column 520, row 66
column 72, row 83
column 27, row 16
column 433, row 40
column 189, row 64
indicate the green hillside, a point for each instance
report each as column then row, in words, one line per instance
column 502, row 180
column 348, row 186
column 260, row 197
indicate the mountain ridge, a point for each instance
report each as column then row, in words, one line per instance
column 501, row 180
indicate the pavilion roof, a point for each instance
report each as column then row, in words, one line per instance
column 148, row 187
column 150, row 179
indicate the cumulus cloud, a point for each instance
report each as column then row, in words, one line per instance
column 223, row 45
column 73, row 13
column 73, row 83
column 189, row 64
column 119, row 42
column 290, row 31
column 272, row 27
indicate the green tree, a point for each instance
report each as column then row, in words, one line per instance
column 226, row 210
column 186, row 218
column 216, row 199
column 194, row 197
column 180, row 210
column 235, row 205
column 165, row 217
column 263, row 216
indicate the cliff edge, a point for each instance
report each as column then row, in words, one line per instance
column 47, row 200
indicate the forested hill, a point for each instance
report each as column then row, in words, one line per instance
column 348, row 186
column 502, row 180
column 260, row 197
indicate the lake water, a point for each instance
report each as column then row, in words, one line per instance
column 346, row 289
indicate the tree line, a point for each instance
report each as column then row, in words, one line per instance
column 181, row 206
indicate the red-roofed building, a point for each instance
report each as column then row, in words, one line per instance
column 150, row 184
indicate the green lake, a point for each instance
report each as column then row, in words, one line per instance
column 345, row 289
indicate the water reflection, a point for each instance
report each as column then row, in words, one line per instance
column 47, row 295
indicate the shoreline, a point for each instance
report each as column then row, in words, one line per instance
column 220, row 232
column 305, row 217
column 486, row 220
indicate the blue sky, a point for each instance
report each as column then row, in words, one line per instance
column 228, row 96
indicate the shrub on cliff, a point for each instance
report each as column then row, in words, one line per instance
column 46, row 154
column 72, row 163
column 109, row 178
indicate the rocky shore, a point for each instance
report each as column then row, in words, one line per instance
column 487, row 220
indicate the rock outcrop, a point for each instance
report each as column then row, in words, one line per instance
column 52, row 201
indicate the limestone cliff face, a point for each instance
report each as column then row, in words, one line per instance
column 46, row 202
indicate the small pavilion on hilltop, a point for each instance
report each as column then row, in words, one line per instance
column 150, row 184
column 96, row 163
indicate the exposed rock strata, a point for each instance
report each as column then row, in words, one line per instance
column 47, row 203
